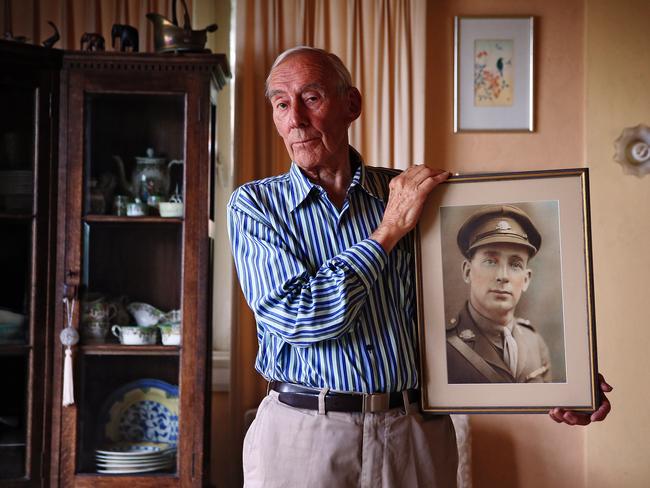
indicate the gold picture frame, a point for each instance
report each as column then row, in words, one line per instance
column 556, row 364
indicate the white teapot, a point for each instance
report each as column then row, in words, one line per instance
column 150, row 176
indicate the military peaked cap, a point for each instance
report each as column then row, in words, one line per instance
column 498, row 223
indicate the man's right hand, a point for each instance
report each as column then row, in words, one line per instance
column 408, row 192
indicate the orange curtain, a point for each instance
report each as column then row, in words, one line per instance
column 74, row 17
column 383, row 44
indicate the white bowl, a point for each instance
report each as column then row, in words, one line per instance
column 170, row 209
column 144, row 314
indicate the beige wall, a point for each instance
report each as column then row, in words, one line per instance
column 608, row 72
column 517, row 450
column 618, row 96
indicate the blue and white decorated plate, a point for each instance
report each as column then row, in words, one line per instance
column 145, row 410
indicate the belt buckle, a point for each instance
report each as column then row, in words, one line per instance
column 376, row 402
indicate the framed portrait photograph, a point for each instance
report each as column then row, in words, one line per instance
column 493, row 74
column 505, row 294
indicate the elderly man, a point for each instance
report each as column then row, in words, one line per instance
column 324, row 257
column 486, row 343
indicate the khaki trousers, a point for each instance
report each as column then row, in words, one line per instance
column 293, row 448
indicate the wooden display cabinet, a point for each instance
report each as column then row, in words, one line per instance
column 120, row 105
column 29, row 77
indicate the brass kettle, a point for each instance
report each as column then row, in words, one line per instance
column 169, row 37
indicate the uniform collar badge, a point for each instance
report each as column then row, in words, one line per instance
column 467, row 335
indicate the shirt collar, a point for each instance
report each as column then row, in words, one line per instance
column 492, row 330
column 301, row 186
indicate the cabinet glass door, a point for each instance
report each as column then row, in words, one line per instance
column 17, row 221
column 132, row 227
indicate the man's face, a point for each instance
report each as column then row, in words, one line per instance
column 310, row 113
column 498, row 274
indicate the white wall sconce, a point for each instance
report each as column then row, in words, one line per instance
column 633, row 150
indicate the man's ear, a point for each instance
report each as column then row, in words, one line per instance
column 529, row 275
column 466, row 267
column 355, row 102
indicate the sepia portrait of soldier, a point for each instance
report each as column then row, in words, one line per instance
column 487, row 342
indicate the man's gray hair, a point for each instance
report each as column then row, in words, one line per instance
column 340, row 72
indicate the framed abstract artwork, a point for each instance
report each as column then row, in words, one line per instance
column 505, row 294
column 493, row 74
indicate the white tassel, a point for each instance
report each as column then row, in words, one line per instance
column 69, row 337
column 68, row 385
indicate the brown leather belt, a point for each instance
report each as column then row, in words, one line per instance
column 299, row 396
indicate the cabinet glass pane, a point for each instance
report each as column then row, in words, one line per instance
column 15, row 259
column 17, row 148
column 13, row 415
column 133, row 149
column 128, row 399
column 131, row 276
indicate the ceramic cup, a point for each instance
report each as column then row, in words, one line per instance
column 170, row 334
column 94, row 332
column 97, row 309
column 135, row 335
column 136, row 209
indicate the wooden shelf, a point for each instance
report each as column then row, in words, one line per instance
column 15, row 216
column 14, row 349
column 114, row 219
column 122, row 350
column 96, row 480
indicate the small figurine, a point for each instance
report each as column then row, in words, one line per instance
column 128, row 36
column 54, row 38
column 10, row 37
column 92, row 42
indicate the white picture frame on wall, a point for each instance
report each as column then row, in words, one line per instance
column 493, row 74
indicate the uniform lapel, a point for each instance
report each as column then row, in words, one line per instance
column 484, row 347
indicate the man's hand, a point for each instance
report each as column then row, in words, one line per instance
column 570, row 417
column 408, row 192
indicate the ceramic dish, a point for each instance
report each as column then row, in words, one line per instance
column 135, row 335
column 131, row 470
column 170, row 334
column 120, row 465
column 170, row 209
column 145, row 410
column 135, row 449
column 144, row 314
column 133, row 462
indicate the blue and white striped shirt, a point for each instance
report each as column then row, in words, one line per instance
column 332, row 308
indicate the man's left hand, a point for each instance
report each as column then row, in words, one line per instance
column 570, row 417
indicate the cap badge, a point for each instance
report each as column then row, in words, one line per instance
column 503, row 225
column 467, row 335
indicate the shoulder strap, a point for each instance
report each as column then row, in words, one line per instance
column 475, row 359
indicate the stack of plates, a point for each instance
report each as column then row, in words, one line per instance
column 135, row 457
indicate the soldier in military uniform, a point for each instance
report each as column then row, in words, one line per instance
column 486, row 343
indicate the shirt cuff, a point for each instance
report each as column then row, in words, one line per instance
column 366, row 259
